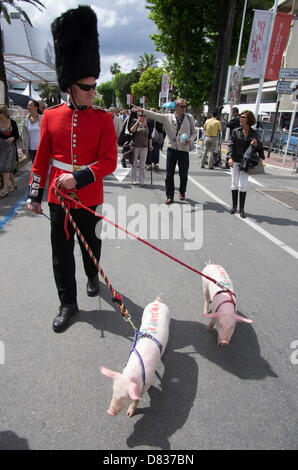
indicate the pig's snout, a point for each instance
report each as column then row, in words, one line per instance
column 223, row 343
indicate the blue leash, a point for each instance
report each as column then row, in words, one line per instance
column 133, row 349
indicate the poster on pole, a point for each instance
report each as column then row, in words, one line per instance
column 234, row 81
column 281, row 29
column 257, row 43
column 164, row 86
column 129, row 99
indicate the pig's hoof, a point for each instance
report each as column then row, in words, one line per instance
column 209, row 328
column 130, row 413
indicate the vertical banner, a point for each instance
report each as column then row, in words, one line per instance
column 234, row 81
column 257, row 43
column 129, row 99
column 143, row 100
column 164, row 86
column 278, row 43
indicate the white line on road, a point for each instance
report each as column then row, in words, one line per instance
column 253, row 225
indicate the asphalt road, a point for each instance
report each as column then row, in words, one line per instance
column 244, row 396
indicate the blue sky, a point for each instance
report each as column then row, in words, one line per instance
column 123, row 25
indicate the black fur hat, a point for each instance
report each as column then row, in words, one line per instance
column 76, row 46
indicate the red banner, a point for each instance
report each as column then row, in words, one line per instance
column 278, row 43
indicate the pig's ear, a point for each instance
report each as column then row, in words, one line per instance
column 133, row 391
column 108, row 372
column 239, row 318
column 211, row 315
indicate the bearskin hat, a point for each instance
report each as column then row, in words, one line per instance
column 76, row 46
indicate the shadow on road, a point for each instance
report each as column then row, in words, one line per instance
column 11, row 441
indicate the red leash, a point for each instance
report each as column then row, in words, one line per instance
column 78, row 203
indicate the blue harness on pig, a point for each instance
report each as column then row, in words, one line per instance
column 133, row 349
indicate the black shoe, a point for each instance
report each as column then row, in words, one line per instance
column 233, row 210
column 93, row 286
column 63, row 318
column 242, row 214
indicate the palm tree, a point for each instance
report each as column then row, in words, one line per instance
column 146, row 61
column 5, row 12
column 115, row 68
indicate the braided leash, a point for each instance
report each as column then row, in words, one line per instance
column 116, row 297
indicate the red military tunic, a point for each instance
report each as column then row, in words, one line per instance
column 77, row 138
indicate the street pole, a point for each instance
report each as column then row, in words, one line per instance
column 262, row 77
column 237, row 61
column 290, row 132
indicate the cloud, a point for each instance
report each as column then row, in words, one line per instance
column 124, row 29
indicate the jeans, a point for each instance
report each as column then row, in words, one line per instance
column 174, row 156
column 63, row 249
column 32, row 154
column 239, row 178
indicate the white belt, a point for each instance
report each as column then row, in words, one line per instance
column 68, row 166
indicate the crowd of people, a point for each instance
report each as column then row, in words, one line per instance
column 79, row 142
column 145, row 132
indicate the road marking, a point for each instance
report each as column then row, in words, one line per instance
column 251, row 224
column 12, row 212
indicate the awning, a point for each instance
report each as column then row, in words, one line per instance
column 168, row 104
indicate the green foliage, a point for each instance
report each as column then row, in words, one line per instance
column 49, row 93
column 149, row 85
column 122, row 82
column 146, row 61
column 188, row 34
column 107, row 92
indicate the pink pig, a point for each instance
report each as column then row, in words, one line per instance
column 138, row 373
column 223, row 304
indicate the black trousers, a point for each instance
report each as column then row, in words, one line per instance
column 174, row 156
column 63, row 249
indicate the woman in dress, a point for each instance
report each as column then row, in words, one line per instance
column 31, row 130
column 9, row 134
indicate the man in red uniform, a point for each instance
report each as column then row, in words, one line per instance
column 79, row 142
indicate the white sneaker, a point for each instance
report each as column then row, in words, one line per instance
column 134, row 182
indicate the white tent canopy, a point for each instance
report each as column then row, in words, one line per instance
column 29, row 91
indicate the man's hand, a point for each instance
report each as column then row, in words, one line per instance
column 67, row 181
column 34, row 207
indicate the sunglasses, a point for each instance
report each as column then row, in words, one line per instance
column 141, row 115
column 85, row 87
column 183, row 106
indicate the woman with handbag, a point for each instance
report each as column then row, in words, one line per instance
column 141, row 136
column 241, row 138
column 9, row 134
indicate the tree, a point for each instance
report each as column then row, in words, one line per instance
column 189, row 35
column 50, row 93
column 5, row 12
column 115, row 68
column 146, row 61
column 106, row 90
column 122, row 82
column 149, row 85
